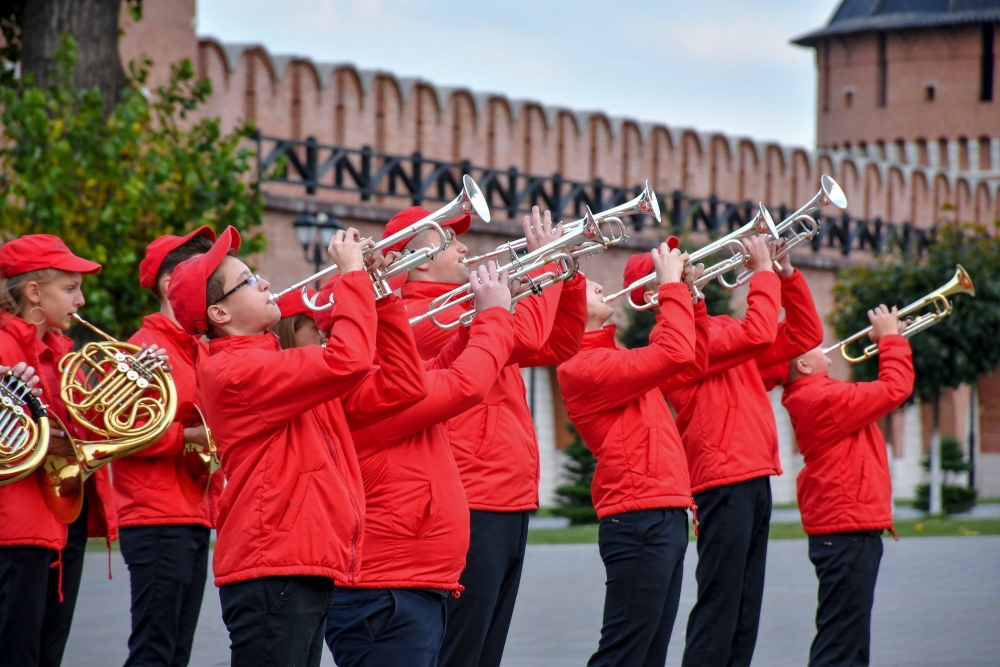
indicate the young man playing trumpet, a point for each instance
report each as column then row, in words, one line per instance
column 730, row 438
column 845, row 488
column 494, row 443
column 291, row 517
column 641, row 488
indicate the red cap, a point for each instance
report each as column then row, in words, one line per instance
column 158, row 250
column 640, row 266
column 408, row 216
column 292, row 304
column 190, row 278
column 35, row 252
column 324, row 318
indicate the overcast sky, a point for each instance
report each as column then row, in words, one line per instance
column 712, row 64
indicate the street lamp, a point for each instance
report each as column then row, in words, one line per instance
column 314, row 233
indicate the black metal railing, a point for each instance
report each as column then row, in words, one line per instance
column 316, row 166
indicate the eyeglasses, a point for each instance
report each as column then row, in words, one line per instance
column 252, row 281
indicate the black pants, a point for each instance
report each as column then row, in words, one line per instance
column 276, row 621
column 643, row 553
column 34, row 624
column 386, row 627
column 846, row 566
column 478, row 620
column 732, row 551
column 167, row 566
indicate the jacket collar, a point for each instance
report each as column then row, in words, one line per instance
column 167, row 328
column 26, row 334
column 806, row 381
column 425, row 289
column 265, row 341
column 603, row 337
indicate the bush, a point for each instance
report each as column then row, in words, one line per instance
column 954, row 499
column 574, row 500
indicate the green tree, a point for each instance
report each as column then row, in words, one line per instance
column 574, row 500
column 962, row 346
column 110, row 184
column 955, row 498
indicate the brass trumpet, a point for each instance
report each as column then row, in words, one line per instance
column 645, row 203
column 960, row 283
column 469, row 201
column 808, row 226
column 24, row 430
column 761, row 223
column 117, row 392
column 196, row 464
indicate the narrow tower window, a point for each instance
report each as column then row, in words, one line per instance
column 986, row 65
column 826, row 75
column 882, row 75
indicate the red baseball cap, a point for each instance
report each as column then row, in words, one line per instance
column 158, row 250
column 640, row 266
column 187, row 285
column 292, row 304
column 324, row 318
column 35, row 252
column 408, row 216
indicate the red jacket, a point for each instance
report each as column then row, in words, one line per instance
column 723, row 413
column 845, row 484
column 417, row 516
column 25, row 518
column 494, row 443
column 293, row 502
column 146, row 486
column 612, row 397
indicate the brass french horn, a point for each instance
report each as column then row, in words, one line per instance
column 125, row 401
column 24, row 430
column 197, row 463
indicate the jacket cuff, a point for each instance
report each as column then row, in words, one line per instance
column 796, row 274
column 676, row 290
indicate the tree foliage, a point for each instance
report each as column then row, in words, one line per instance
column 574, row 499
column 110, row 185
column 960, row 347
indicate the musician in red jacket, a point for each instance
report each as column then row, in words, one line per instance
column 494, row 443
column 845, row 489
column 291, row 518
column 417, row 522
column 297, row 326
column 641, row 488
column 41, row 558
column 730, row 438
column 165, row 523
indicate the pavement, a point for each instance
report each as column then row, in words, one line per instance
column 935, row 605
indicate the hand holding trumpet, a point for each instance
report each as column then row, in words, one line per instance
column 490, row 289
column 759, row 253
column 347, row 249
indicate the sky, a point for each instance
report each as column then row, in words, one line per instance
column 714, row 65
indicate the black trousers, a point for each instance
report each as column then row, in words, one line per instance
column 167, row 566
column 734, row 521
column 276, row 621
column 478, row 620
column 386, row 627
column 643, row 553
column 34, row 624
column 846, row 566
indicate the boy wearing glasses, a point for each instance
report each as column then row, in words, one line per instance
column 291, row 517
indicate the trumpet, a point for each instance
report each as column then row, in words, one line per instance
column 960, row 283
column 645, row 203
column 560, row 252
column 24, row 430
column 761, row 223
column 197, row 463
column 117, row 392
column 469, row 201
column 808, row 226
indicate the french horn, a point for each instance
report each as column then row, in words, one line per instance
column 24, row 430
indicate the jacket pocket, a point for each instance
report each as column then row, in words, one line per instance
column 726, row 435
column 487, row 432
column 424, row 509
column 865, row 481
column 652, row 448
column 294, row 503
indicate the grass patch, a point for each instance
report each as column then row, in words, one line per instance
column 926, row 527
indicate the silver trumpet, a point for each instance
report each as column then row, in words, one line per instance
column 469, row 201
column 644, row 204
column 761, row 223
column 563, row 252
column 802, row 225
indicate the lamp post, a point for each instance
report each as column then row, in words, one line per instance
column 314, row 233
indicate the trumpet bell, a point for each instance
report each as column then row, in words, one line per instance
column 833, row 192
column 960, row 283
column 24, row 430
column 475, row 201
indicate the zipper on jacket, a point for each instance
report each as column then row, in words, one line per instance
column 354, row 509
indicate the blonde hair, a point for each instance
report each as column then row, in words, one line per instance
column 287, row 327
column 12, row 289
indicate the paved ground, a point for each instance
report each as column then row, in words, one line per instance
column 936, row 604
